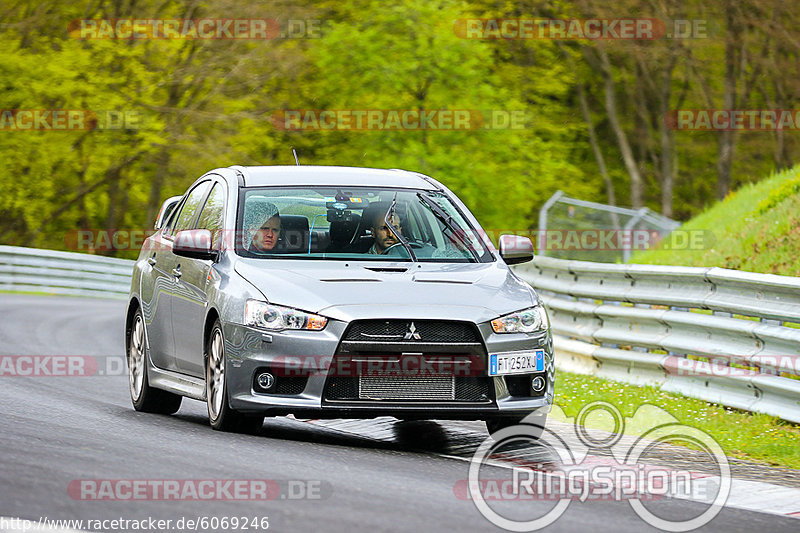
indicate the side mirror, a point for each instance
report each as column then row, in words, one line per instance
column 515, row 249
column 166, row 210
column 194, row 243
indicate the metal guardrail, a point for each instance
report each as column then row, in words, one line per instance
column 720, row 335
column 53, row 272
column 724, row 336
column 582, row 215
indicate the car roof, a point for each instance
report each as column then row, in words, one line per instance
column 333, row 176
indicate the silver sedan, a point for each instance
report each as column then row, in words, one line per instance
column 334, row 292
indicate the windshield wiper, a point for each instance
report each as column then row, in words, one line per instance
column 447, row 220
column 396, row 231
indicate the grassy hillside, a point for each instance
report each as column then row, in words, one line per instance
column 756, row 228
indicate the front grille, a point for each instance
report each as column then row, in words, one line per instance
column 341, row 388
column 290, row 385
column 426, row 331
column 407, row 388
column 473, row 389
column 369, row 341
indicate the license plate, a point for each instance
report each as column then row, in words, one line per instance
column 516, row 362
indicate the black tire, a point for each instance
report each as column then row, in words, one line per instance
column 144, row 397
column 220, row 414
column 536, row 425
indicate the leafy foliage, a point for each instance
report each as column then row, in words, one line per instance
column 195, row 105
column 739, row 233
column 779, row 194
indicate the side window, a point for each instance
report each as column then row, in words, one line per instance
column 212, row 215
column 173, row 217
column 170, row 222
column 189, row 209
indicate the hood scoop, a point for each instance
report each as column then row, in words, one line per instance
column 395, row 270
column 348, row 280
column 455, row 281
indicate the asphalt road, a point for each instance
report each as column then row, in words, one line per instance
column 59, row 429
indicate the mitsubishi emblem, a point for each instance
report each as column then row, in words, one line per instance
column 412, row 333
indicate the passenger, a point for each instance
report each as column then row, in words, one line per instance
column 384, row 237
column 262, row 224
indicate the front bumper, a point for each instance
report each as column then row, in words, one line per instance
column 249, row 351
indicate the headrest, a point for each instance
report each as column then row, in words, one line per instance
column 375, row 210
column 294, row 233
column 342, row 231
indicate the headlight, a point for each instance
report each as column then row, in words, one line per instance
column 276, row 317
column 528, row 321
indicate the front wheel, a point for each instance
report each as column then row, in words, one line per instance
column 144, row 397
column 220, row 414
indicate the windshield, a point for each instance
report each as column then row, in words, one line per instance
column 355, row 224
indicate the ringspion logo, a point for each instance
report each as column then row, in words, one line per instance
column 620, row 473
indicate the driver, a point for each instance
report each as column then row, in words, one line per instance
column 383, row 235
column 262, row 223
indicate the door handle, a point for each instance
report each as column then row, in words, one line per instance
column 176, row 271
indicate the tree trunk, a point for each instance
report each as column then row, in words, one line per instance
column 726, row 139
column 598, row 154
column 782, row 158
column 667, row 138
column 637, row 185
column 159, row 178
column 112, row 215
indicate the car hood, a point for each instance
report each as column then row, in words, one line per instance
column 351, row 290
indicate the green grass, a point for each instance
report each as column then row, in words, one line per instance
column 756, row 228
column 755, row 437
column 46, row 293
column 35, row 293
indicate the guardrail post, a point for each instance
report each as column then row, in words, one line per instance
column 626, row 251
column 542, row 237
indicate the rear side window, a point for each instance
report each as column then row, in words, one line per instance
column 189, row 209
column 212, row 215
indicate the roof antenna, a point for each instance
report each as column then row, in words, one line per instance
column 295, row 157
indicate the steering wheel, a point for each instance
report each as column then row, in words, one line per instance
column 395, row 250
